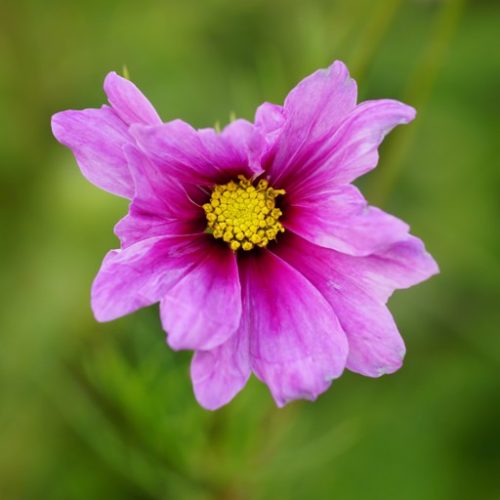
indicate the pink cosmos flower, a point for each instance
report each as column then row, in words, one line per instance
column 264, row 257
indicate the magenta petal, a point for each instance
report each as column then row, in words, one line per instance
column 128, row 101
column 160, row 206
column 218, row 375
column 249, row 144
column 353, row 149
column 297, row 345
column 269, row 121
column 141, row 274
column 132, row 278
column 375, row 345
column 137, row 226
column 401, row 265
column 269, row 118
column 313, row 110
column 238, row 149
column 203, row 309
column 199, row 158
column 340, row 218
column 177, row 148
column 96, row 137
column 360, row 136
column 193, row 278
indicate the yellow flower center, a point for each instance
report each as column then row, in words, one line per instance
column 243, row 215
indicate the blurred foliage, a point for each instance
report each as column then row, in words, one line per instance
column 106, row 410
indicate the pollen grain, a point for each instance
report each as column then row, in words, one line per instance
column 244, row 215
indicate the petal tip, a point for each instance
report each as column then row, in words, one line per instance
column 339, row 67
column 209, row 404
column 387, row 370
column 100, row 306
column 216, row 377
column 99, row 313
column 410, row 113
column 57, row 124
column 111, row 79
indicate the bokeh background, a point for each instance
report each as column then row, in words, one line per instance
column 106, row 411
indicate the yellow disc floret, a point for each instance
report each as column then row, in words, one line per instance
column 244, row 215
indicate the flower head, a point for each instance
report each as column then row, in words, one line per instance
column 264, row 257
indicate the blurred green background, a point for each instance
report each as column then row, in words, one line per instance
column 94, row 410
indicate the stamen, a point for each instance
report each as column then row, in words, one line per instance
column 243, row 215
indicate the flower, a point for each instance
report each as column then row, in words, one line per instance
column 264, row 257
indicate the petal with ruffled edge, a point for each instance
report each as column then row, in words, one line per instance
column 136, row 227
column 199, row 157
column 340, row 218
column 168, row 269
column 218, row 375
column 352, row 150
column 141, row 274
column 403, row 264
column 96, row 137
column 269, row 121
column 313, row 110
column 233, row 149
column 203, row 309
column 246, row 142
column 160, row 206
column 269, row 118
column 297, row 346
column 128, row 101
column 375, row 345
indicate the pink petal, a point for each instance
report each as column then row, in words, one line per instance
column 141, row 274
column 138, row 226
column 269, row 118
column 178, row 150
column 248, row 143
column 96, row 137
column 203, row 309
column 167, row 269
column 160, row 206
column 402, row 265
column 353, row 149
column 156, row 190
column 231, row 150
column 313, row 110
column 128, row 101
column 218, row 375
column 194, row 157
column 132, row 278
column 269, row 121
column 375, row 345
column 339, row 218
column 296, row 343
